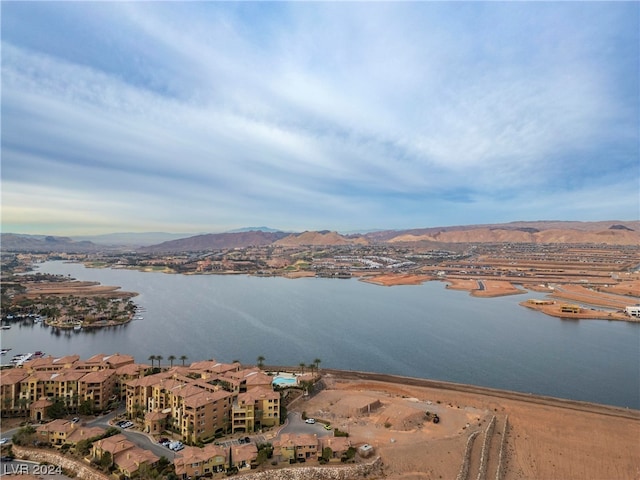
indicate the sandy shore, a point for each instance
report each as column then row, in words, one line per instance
column 546, row 438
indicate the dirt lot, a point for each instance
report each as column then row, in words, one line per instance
column 545, row 438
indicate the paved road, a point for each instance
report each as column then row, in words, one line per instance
column 139, row 438
column 296, row 425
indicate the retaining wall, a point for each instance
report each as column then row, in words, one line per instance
column 80, row 469
column 348, row 472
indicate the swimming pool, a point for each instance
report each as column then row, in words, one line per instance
column 284, row 381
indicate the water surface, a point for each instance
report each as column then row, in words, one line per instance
column 422, row 331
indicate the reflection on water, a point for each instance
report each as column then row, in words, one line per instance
column 422, row 331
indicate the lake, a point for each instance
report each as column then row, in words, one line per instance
column 422, row 331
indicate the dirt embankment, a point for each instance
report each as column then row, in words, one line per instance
column 518, row 435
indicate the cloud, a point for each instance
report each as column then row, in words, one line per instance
column 318, row 115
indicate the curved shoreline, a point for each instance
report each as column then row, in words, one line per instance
column 598, row 408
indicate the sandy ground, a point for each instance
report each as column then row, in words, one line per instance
column 545, row 438
column 388, row 280
column 35, row 290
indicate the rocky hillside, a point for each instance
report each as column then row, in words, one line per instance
column 12, row 242
column 216, row 241
column 321, row 238
column 612, row 233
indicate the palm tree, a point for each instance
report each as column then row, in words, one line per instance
column 152, row 358
column 261, row 360
column 171, row 358
column 317, row 362
column 302, row 365
column 183, row 358
column 159, row 357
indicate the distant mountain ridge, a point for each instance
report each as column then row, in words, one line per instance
column 15, row 242
column 603, row 232
column 216, row 241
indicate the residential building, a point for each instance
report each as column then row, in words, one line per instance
column 55, row 432
column 126, row 457
column 296, row 447
column 192, row 462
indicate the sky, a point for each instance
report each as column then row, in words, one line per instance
column 347, row 116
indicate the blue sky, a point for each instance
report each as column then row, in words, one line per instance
column 207, row 116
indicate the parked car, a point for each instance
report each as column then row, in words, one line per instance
column 310, row 420
column 3, row 441
column 327, row 427
column 6, row 458
column 75, row 419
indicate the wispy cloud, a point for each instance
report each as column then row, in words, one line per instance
column 209, row 116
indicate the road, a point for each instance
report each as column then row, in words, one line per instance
column 296, row 425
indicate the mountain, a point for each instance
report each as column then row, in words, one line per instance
column 321, row 238
column 613, row 233
column 216, row 241
column 14, row 242
column 254, row 229
column 133, row 239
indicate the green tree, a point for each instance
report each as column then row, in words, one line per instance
column 85, row 407
column 57, row 409
column 159, row 358
column 317, row 362
column 302, row 365
column 171, row 359
column 183, row 358
column 152, row 358
column 106, row 460
column 261, row 360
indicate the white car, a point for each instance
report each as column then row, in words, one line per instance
column 310, row 420
column 3, row 441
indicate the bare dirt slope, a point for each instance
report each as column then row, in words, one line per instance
column 545, row 438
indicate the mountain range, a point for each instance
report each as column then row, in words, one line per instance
column 602, row 232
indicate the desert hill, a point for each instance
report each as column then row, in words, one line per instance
column 321, row 238
column 614, row 232
column 216, row 241
column 12, row 242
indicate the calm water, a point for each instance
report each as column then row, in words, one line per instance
column 422, row 331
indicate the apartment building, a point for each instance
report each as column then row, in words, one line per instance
column 195, row 408
column 55, row 432
column 192, row 462
column 98, row 388
column 256, row 408
column 296, row 447
column 126, row 457
column 66, row 378
column 10, row 381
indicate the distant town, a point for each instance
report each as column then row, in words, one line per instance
column 583, row 279
column 109, row 416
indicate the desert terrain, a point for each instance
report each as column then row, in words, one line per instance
column 513, row 435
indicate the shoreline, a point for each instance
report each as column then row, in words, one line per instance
column 402, row 380
column 579, row 405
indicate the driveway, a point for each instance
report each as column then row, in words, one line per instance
column 296, row 425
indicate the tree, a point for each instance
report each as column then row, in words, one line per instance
column 317, row 361
column 152, row 358
column 302, row 365
column 183, row 358
column 105, row 460
column 85, row 407
column 171, row 358
column 261, row 360
column 57, row 409
column 159, row 358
